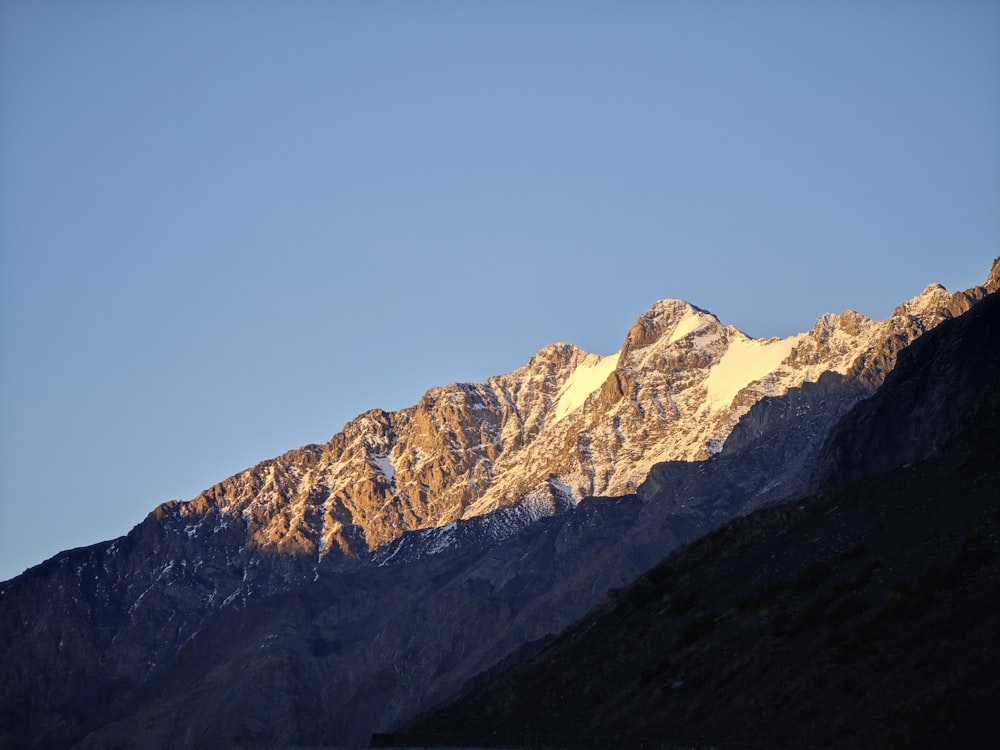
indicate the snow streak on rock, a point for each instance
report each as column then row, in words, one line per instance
column 585, row 379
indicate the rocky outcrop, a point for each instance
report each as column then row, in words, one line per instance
column 931, row 405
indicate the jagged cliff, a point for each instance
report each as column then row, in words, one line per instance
column 864, row 615
column 565, row 426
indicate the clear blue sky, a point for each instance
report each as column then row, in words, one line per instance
column 226, row 228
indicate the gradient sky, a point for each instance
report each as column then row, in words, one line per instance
column 226, row 228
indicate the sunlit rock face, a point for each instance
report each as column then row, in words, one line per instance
column 565, row 426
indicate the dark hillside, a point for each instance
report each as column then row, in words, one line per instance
column 863, row 616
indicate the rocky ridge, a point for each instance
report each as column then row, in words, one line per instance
column 565, row 426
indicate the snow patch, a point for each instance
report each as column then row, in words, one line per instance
column 381, row 462
column 165, row 570
column 586, row 378
column 687, row 325
column 395, row 551
column 745, row 361
column 442, row 538
column 562, row 489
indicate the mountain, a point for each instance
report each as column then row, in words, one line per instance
column 863, row 615
column 567, row 425
column 345, row 588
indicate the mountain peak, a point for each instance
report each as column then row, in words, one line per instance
column 993, row 279
column 559, row 351
column 674, row 317
column 934, row 296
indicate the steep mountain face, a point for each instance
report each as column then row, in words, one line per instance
column 862, row 616
column 90, row 625
column 471, row 502
column 567, row 425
